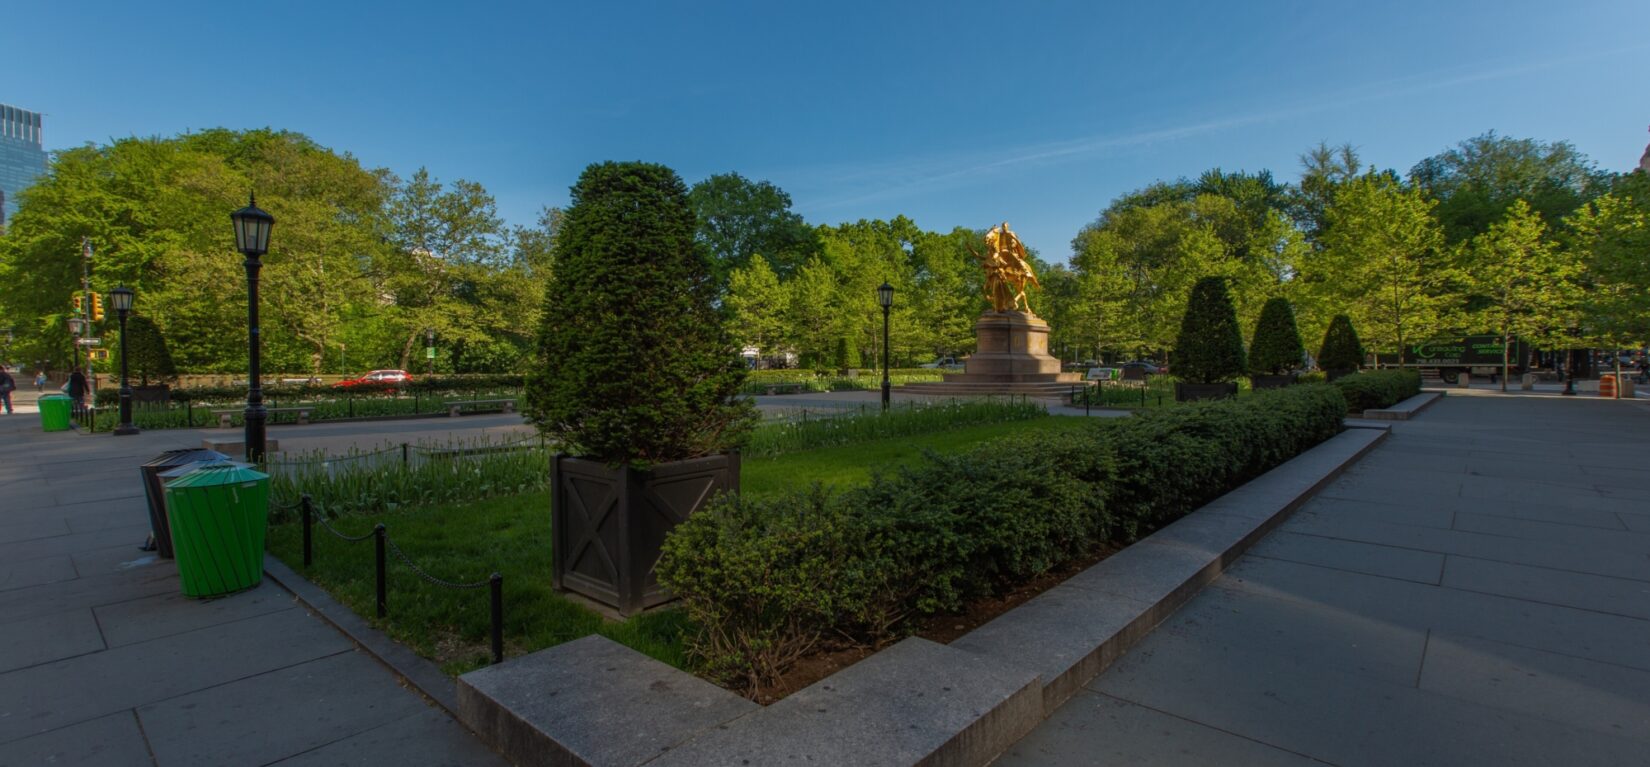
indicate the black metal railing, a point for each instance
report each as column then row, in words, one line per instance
column 382, row 547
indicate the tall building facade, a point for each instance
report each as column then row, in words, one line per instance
column 22, row 156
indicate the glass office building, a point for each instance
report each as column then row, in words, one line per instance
column 22, row 158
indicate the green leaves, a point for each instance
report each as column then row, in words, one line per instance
column 1277, row 347
column 633, row 362
column 1209, row 348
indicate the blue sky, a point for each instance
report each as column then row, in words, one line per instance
column 1037, row 113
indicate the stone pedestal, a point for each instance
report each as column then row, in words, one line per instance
column 1013, row 348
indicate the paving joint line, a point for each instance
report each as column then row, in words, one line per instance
column 1216, row 728
column 144, row 734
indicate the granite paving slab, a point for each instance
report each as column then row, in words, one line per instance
column 46, row 638
column 52, row 695
column 1616, row 596
column 1353, row 556
column 1575, row 691
column 1094, row 729
column 272, row 716
column 428, row 739
column 107, row 741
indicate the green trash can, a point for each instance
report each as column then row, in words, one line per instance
column 56, row 411
column 218, row 514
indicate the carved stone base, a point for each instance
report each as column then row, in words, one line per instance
column 1013, row 348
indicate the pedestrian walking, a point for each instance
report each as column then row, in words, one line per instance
column 40, row 381
column 7, row 383
column 77, row 390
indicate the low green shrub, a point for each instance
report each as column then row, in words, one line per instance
column 1378, row 388
column 110, row 395
column 767, row 580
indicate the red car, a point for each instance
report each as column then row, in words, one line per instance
column 377, row 379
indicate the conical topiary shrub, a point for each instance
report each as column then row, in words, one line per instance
column 1342, row 352
column 634, row 364
column 636, row 378
column 1209, row 348
column 1277, row 349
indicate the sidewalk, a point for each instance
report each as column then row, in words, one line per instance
column 104, row 662
column 1475, row 591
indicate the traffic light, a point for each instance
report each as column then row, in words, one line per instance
column 79, row 303
column 97, row 307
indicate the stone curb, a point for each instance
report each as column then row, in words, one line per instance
column 418, row 674
column 1405, row 410
column 916, row 703
column 1074, row 631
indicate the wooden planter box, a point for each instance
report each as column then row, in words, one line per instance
column 1188, row 392
column 607, row 525
column 1271, row 382
column 151, row 395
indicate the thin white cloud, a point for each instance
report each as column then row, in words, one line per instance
column 861, row 184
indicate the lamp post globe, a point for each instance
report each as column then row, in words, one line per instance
column 885, row 299
column 252, row 227
column 121, row 297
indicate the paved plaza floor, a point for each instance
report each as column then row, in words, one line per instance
column 104, row 662
column 1474, row 591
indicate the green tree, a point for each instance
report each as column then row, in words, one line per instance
column 1478, row 180
column 1531, row 287
column 1209, row 348
column 1382, row 262
column 1612, row 241
column 1341, row 351
column 146, row 353
column 756, row 304
column 740, row 218
column 1324, row 170
column 634, row 364
column 1277, row 348
column 154, row 210
column 448, row 248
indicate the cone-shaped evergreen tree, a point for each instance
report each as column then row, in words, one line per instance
column 1277, row 348
column 1342, row 352
column 1209, row 348
column 634, row 365
column 146, row 352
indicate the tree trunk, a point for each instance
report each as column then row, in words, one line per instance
column 406, row 350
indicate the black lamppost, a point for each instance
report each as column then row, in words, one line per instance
column 121, row 297
column 885, row 299
column 429, row 351
column 252, row 240
column 1569, row 373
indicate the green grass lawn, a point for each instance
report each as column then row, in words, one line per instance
column 464, row 542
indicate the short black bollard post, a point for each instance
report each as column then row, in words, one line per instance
column 378, row 534
column 189, row 413
column 1086, row 401
column 415, row 402
column 495, row 584
column 307, row 509
column 403, row 454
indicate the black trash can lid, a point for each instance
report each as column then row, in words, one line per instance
column 223, row 462
column 185, row 455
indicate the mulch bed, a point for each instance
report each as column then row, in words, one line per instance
column 937, row 628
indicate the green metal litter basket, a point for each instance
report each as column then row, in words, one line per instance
column 56, row 411
column 218, row 515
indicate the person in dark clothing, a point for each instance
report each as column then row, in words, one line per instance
column 7, row 384
column 77, row 390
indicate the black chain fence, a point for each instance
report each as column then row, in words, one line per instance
column 382, row 545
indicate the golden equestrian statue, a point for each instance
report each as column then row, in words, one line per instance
column 1007, row 270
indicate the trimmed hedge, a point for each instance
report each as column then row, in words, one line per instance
column 110, row 395
column 766, row 581
column 1378, row 388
